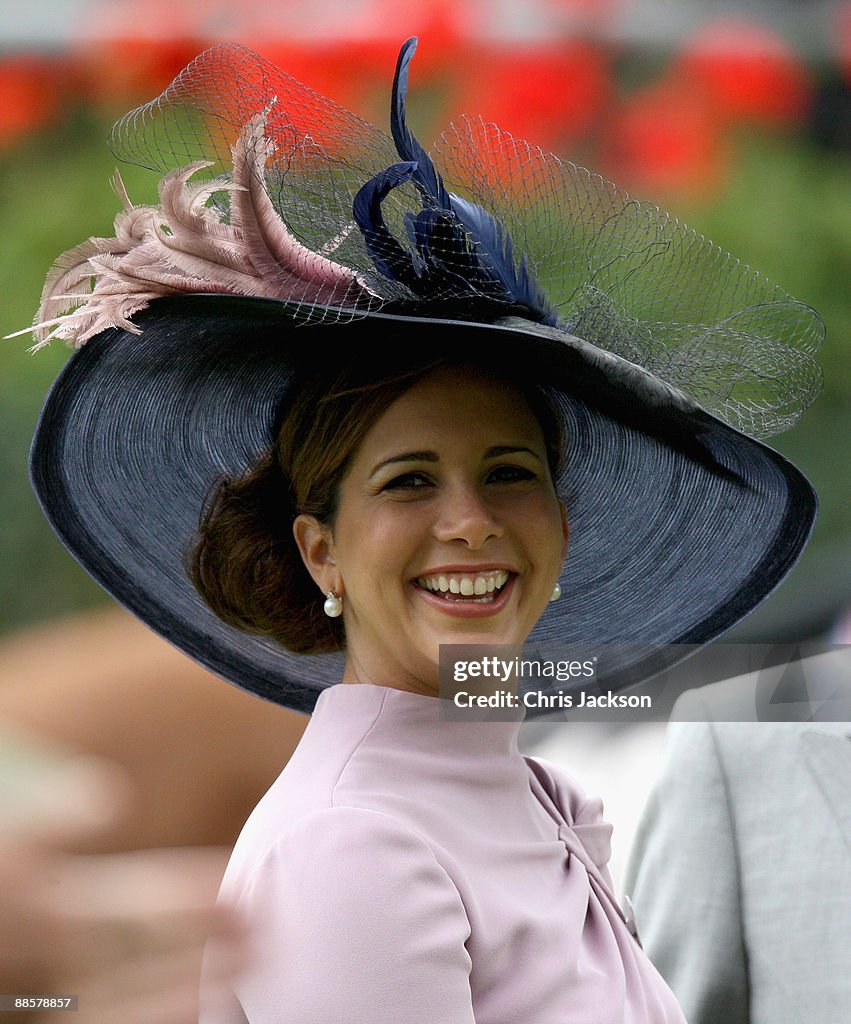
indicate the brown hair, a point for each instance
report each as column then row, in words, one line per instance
column 246, row 564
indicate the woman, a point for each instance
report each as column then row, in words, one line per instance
column 404, row 473
column 365, row 505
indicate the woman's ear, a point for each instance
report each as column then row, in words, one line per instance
column 565, row 530
column 316, row 545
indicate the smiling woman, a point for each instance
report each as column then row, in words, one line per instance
column 402, row 471
column 440, row 454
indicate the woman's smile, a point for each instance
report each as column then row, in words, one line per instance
column 466, row 593
column 448, row 529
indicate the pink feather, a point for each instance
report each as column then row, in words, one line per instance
column 184, row 246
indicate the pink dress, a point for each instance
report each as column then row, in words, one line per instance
column 405, row 869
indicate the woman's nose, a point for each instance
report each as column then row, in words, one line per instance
column 464, row 514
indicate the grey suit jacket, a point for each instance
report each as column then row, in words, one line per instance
column 740, row 874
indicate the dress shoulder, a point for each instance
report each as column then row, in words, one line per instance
column 356, row 920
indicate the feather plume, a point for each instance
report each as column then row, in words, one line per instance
column 185, row 245
column 496, row 250
column 458, row 249
column 272, row 249
column 389, row 257
column 408, row 146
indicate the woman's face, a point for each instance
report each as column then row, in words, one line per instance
column 448, row 530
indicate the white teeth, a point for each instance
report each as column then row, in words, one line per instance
column 481, row 585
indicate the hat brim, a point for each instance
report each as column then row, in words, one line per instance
column 679, row 524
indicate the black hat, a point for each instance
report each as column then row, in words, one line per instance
column 315, row 237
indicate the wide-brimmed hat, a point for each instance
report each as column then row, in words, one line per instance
column 315, row 239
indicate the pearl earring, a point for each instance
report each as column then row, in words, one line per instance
column 333, row 606
column 556, row 594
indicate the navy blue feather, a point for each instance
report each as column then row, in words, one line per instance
column 390, row 258
column 408, row 147
column 456, row 247
column 444, row 251
column 496, row 245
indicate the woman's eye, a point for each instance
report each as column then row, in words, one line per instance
column 509, row 474
column 407, row 481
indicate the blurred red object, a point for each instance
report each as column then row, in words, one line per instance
column 748, row 71
column 437, row 24
column 843, row 40
column 355, row 74
column 130, row 69
column 549, row 94
column 666, row 139
column 30, row 91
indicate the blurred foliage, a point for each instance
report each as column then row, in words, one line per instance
column 786, row 210
column 55, row 191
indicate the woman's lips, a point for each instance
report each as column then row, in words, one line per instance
column 463, row 604
column 468, row 582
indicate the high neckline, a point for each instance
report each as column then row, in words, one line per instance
column 427, row 718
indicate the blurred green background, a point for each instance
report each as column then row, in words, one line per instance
column 749, row 146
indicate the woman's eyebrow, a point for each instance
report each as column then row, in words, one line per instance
column 510, row 449
column 405, row 457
